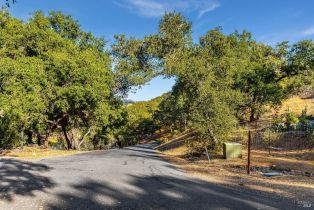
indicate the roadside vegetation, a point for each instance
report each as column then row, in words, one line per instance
column 223, row 82
column 54, row 78
column 292, row 155
column 59, row 82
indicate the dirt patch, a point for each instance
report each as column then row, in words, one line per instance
column 233, row 172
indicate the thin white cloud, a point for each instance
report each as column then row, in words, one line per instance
column 210, row 7
column 147, row 8
column 154, row 8
column 308, row 32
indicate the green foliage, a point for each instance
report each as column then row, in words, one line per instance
column 53, row 76
column 23, row 98
column 296, row 68
column 304, row 118
column 290, row 119
column 140, row 122
column 277, row 122
column 56, row 77
column 219, row 81
column 171, row 113
column 138, row 61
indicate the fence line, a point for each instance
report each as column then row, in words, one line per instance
column 273, row 138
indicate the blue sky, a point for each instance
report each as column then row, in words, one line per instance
column 270, row 21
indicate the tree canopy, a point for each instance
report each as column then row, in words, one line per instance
column 221, row 80
column 55, row 77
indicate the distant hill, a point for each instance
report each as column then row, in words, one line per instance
column 144, row 109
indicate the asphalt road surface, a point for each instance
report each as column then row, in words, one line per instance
column 131, row 178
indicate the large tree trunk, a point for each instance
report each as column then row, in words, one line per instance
column 42, row 139
column 39, row 140
column 252, row 115
column 29, row 135
column 68, row 141
column 254, row 109
column 46, row 140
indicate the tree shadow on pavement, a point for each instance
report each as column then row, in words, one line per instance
column 141, row 149
column 163, row 192
column 22, row 178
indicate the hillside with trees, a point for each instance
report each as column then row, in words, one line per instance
column 56, row 78
column 221, row 81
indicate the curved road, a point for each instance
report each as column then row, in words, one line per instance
column 131, row 178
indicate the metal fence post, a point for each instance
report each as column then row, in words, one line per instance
column 269, row 138
column 249, row 153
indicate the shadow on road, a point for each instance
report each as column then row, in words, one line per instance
column 162, row 192
column 147, row 148
column 22, row 178
column 147, row 188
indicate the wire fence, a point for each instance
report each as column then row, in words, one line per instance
column 273, row 138
column 274, row 141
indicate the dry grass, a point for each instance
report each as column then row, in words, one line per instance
column 294, row 104
column 297, row 104
column 233, row 172
column 178, row 152
column 302, row 160
column 35, row 153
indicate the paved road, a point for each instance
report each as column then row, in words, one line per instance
column 132, row 178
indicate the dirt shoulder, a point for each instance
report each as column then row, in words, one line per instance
column 33, row 153
column 233, row 172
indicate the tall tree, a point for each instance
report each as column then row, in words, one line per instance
column 70, row 73
column 137, row 61
column 221, row 79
